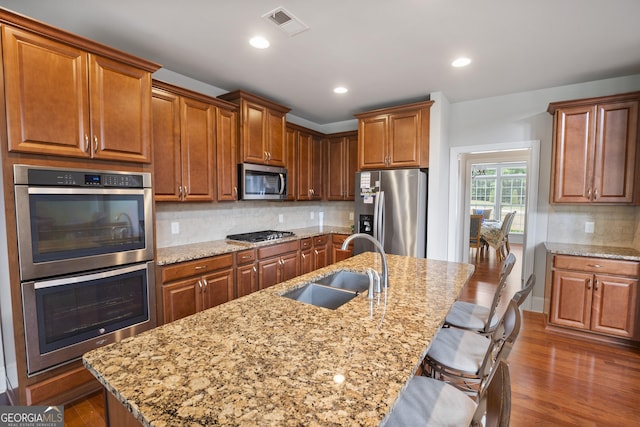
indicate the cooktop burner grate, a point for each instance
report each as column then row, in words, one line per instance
column 260, row 236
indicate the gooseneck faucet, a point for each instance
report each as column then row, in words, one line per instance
column 385, row 271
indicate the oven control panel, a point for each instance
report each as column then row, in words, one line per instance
column 37, row 176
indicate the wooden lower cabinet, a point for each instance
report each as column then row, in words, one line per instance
column 595, row 295
column 306, row 255
column 321, row 253
column 277, row 263
column 246, row 272
column 194, row 286
column 337, row 254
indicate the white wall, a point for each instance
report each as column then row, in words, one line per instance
column 522, row 117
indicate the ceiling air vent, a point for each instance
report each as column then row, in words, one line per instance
column 286, row 21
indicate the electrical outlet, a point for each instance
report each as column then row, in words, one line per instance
column 312, row 215
column 280, row 219
column 350, row 216
column 589, row 227
column 175, row 228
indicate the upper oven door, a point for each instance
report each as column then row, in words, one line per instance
column 67, row 230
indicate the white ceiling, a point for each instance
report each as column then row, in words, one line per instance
column 385, row 52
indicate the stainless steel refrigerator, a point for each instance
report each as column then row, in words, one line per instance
column 391, row 206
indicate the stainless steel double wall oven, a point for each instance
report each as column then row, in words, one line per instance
column 85, row 242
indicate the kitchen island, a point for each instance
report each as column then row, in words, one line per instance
column 268, row 360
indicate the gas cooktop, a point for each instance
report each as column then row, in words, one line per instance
column 260, row 236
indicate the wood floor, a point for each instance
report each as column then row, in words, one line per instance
column 556, row 380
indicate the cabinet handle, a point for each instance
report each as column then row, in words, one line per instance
column 95, row 144
column 589, row 284
column 303, row 256
column 594, row 265
column 200, row 267
column 589, row 193
column 200, row 284
column 245, row 257
column 235, row 193
column 315, row 251
column 205, row 283
column 255, row 270
column 595, row 284
column 595, row 194
column 86, row 143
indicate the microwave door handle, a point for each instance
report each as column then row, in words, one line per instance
column 281, row 183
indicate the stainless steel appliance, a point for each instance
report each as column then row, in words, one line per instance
column 85, row 246
column 261, row 182
column 260, row 236
column 67, row 316
column 391, row 206
column 77, row 220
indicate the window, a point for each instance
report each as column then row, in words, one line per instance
column 500, row 187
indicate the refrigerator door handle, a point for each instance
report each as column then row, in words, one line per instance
column 378, row 218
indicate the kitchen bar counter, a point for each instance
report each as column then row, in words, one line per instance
column 612, row 252
column 268, row 360
column 175, row 254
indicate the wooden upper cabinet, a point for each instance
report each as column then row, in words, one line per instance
column 396, row 137
column 65, row 100
column 595, row 150
column 188, row 128
column 227, row 154
column 261, row 128
column 309, row 168
column 291, row 162
column 342, row 163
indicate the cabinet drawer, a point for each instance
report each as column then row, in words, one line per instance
column 192, row 268
column 338, row 238
column 597, row 265
column 245, row 257
column 305, row 243
column 320, row 240
column 279, row 249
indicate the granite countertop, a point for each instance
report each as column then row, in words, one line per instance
column 612, row 252
column 181, row 253
column 267, row 360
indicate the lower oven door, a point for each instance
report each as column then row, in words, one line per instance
column 66, row 317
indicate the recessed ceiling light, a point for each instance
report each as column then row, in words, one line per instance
column 461, row 62
column 259, row 42
column 340, row 89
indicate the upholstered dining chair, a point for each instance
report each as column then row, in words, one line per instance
column 431, row 402
column 464, row 358
column 475, row 227
column 476, row 317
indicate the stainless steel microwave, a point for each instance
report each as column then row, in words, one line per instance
column 261, row 182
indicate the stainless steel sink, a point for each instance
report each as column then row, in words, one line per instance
column 321, row 296
column 348, row 280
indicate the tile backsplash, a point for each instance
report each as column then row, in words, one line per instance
column 613, row 225
column 201, row 222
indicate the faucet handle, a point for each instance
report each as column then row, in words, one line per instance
column 374, row 277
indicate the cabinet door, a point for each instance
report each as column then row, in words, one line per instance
column 351, row 166
column 306, row 261
column 320, row 256
column 289, row 266
column 46, row 93
column 181, row 299
column 226, row 156
column 571, row 296
column 165, row 107
column 375, row 131
column 574, row 154
column 254, row 132
column 197, row 130
column 316, row 168
column 120, row 102
column 305, row 154
column 405, row 139
column 268, row 272
column 247, row 279
column 336, row 185
column 291, row 162
column 615, row 156
column 276, row 135
column 217, row 288
column 615, row 305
